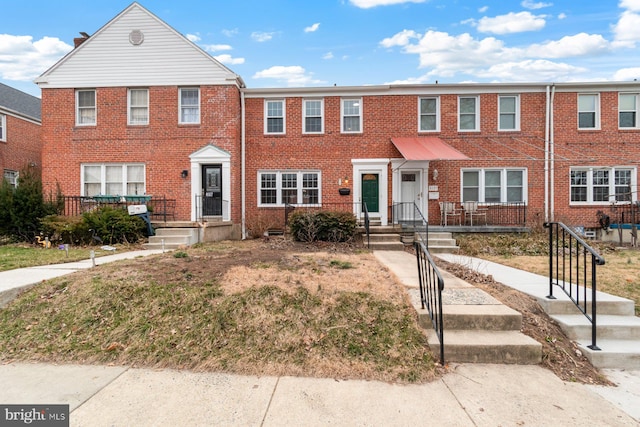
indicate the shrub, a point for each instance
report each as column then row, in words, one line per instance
column 326, row 226
column 114, row 225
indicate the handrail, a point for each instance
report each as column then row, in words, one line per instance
column 367, row 223
column 431, row 286
column 408, row 214
column 563, row 243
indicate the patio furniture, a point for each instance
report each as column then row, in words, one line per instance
column 471, row 209
column 449, row 210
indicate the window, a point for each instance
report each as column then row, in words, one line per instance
column 628, row 110
column 189, row 105
column 588, row 111
column 602, row 185
column 494, row 185
column 138, row 106
column 468, row 119
column 274, row 116
column 11, row 177
column 113, row 179
column 351, row 115
column 85, row 107
column 3, row 127
column 278, row 188
column 429, row 110
column 313, row 112
column 509, row 112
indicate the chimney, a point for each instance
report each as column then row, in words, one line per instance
column 79, row 40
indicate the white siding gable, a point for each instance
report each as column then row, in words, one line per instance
column 109, row 59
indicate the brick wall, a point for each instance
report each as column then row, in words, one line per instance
column 22, row 146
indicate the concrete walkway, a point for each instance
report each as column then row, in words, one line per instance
column 468, row 395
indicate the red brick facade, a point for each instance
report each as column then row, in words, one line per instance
column 22, row 146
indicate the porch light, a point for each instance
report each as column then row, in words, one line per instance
column 185, row 173
column 435, row 174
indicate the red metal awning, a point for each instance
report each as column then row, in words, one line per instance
column 427, row 148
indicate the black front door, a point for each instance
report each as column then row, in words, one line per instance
column 211, row 190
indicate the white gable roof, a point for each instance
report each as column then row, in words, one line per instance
column 109, row 58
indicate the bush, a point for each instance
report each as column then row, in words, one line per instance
column 114, row 225
column 325, row 226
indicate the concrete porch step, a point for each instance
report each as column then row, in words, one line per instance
column 614, row 354
column 479, row 317
column 577, row 327
column 606, row 304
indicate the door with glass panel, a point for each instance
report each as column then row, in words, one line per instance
column 211, row 190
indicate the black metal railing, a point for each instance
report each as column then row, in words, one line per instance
column 367, row 223
column 210, row 207
column 77, row 205
column 572, row 267
column 431, row 286
column 409, row 216
column 505, row 214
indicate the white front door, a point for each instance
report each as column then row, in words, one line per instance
column 410, row 192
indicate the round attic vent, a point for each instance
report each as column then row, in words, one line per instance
column 136, row 37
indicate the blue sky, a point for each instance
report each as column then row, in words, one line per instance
column 282, row 43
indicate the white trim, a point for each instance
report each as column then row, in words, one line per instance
column 516, row 112
column 596, row 112
column 476, row 113
column 636, row 111
column 299, row 186
column 129, row 107
column 95, row 107
column 379, row 166
column 283, row 117
column 3, row 127
column 103, row 177
column 304, row 115
column 503, row 184
column 211, row 154
column 612, row 185
column 180, row 89
column 360, row 114
column 401, row 165
column 437, row 129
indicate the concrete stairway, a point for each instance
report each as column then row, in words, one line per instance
column 172, row 238
column 442, row 242
column 394, row 238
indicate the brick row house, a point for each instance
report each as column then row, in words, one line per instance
column 20, row 127
column 137, row 109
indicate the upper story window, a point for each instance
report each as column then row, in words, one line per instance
column 3, row 127
column 138, row 106
column 313, row 116
column 11, row 177
column 189, row 105
column 278, row 188
column 628, row 110
column 508, row 112
column 494, row 185
column 113, row 179
column 274, row 111
column 468, row 113
column 86, row 107
column 602, row 185
column 429, row 111
column 351, row 113
column 588, row 111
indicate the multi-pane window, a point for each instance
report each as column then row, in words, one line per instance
column 138, row 106
column 494, row 185
column 429, row 114
column 189, row 105
column 351, row 115
column 628, row 110
column 113, row 179
column 588, row 111
column 11, row 177
column 468, row 118
column 3, row 127
column 509, row 112
column 278, row 188
column 312, row 110
column 274, row 116
column 85, row 107
column 602, row 185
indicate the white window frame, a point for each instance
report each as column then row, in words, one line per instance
column 590, row 184
column 515, row 113
column 182, row 108
column 304, row 116
column 595, row 112
column 130, row 107
column 504, row 187
column 79, row 117
column 635, row 111
column 476, row 113
column 282, row 117
column 103, row 178
column 3, row 128
column 300, row 189
column 437, row 114
column 11, row 177
column 343, row 115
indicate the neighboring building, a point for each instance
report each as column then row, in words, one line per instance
column 136, row 104
column 20, row 139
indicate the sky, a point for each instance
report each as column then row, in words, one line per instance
column 302, row 43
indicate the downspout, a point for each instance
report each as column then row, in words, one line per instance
column 546, row 157
column 552, row 156
column 243, row 167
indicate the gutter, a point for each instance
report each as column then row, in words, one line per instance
column 547, row 131
column 243, row 167
column 552, row 195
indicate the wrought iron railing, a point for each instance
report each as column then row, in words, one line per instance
column 572, row 267
column 409, row 216
column 211, row 207
column 505, row 214
column 77, row 205
column 431, row 286
column 367, row 223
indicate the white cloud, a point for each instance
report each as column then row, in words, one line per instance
column 562, row 16
column 528, row 4
column 23, row 59
column 367, row 4
column 230, row 33
column 627, row 74
column 632, row 5
column 193, row 37
column 328, row 55
column 216, row 47
column 293, row 75
column 403, row 38
column 511, row 23
column 627, row 30
column 261, row 36
column 581, row 44
column 483, row 9
column 531, row 70
column 228, row 59
column 312, row 28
